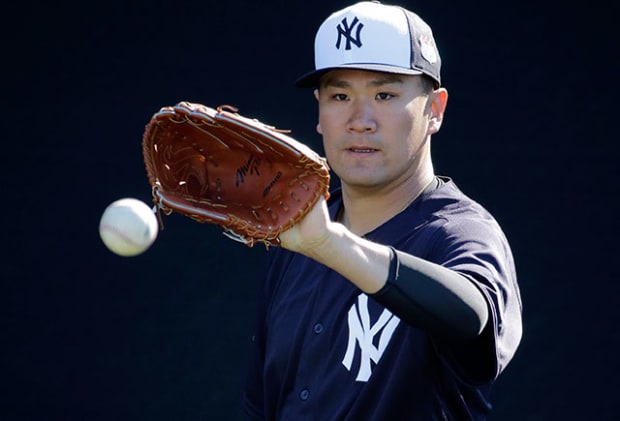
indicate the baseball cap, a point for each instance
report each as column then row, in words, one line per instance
column 373, row 36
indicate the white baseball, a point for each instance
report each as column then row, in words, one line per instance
column 128, row 227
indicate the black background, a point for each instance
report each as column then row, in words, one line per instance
column 87, row 335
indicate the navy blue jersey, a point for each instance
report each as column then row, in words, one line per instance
column 323, row 350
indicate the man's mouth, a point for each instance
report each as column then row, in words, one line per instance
column 362, row 150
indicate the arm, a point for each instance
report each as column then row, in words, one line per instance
column 424, row 294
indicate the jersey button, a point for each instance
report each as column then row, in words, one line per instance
column 304, row 394
column 318, row 328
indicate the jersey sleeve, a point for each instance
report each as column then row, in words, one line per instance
column 476, row 247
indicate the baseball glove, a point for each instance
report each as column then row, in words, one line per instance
column 216, row 166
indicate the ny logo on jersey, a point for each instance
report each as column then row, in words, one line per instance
column 344, row 30
column 363, row 334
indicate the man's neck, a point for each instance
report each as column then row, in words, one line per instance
column 365, row 210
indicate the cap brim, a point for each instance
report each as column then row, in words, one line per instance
column 311, row 80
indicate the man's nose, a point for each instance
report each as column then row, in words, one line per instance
column 362, row 118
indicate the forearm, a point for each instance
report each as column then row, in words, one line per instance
column 423, row 294
column 362, row 262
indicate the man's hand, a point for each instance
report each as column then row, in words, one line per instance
column 311, row 233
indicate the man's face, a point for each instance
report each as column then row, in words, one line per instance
column 375, row 127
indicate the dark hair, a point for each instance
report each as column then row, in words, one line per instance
column 428, row 84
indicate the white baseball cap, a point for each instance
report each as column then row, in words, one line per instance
column 372, row 36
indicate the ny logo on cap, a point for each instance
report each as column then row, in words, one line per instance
column 344, row 30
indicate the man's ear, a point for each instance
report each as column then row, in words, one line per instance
column 316, row 94
column 439, row 100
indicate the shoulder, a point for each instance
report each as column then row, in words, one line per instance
column 451, row 202
column 458, row 215
column 463, row 234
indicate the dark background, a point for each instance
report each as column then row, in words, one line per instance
column 530, row 132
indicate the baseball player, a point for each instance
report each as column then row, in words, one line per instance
column 397, row 298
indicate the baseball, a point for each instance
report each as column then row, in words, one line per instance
column 128, row 227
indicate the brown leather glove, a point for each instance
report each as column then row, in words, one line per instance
column 218, row 167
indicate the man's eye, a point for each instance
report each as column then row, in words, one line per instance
column 340, row 97
column 384, row 96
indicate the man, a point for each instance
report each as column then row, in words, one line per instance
column 398, row 298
